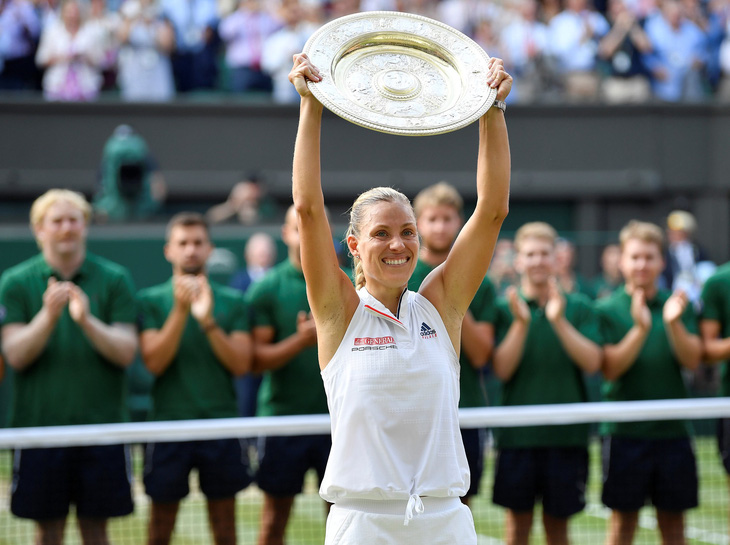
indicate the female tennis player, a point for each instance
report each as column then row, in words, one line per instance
column 389, row 356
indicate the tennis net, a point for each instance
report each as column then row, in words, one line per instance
column 706, row 524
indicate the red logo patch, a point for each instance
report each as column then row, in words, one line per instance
column 373, row 340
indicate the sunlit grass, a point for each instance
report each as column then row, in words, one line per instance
column 706, row 525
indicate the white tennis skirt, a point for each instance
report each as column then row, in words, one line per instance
column 444, row 521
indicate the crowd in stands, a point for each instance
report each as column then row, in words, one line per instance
column 616, row 51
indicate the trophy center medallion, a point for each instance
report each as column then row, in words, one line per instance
column 398, row 84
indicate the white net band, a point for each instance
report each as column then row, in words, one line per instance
column 487, row 417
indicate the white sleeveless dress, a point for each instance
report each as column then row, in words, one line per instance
column 393, row 394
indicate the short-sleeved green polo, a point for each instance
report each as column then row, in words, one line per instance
column 70, row 382
column 196, row 384
column 656, row 373
column 546, row 373
column 484, row 309
column 297, row 387
column 716, row 306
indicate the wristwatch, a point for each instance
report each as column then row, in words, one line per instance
column 501, row 104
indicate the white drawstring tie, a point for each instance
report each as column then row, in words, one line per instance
column 414, row 504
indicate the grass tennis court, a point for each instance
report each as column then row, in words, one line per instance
column 705, row 525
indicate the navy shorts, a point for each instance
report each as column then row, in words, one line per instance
column 723, row 442
column 663, row 471
column 555, row 475
column 222, row 464
column 283, row 462
column 96, row 479
column 474, row 446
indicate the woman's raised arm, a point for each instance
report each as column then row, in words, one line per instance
column 452, row 290
column 332, row 296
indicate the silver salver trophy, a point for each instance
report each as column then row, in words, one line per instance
column 400, row 73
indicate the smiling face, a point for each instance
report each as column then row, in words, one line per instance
column 61, row 232
column 387, row 245
column 535, row 260
column 641, row 263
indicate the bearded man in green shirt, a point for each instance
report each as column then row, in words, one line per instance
column 194, row 338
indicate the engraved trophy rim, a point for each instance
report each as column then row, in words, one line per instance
column 461, row 65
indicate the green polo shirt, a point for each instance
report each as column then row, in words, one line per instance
column 716, row 306
column 295, row 388
column 196, row 384
column 70, row 382
column 546, row 374
column 483, row 308
column 603, row 288
column 656, row 373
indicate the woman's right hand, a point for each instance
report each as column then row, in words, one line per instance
column 302, row 71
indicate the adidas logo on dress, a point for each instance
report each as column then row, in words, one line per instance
column 426, row 331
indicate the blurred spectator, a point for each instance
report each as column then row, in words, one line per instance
column 259, row 255
column 502, row 268
column 244, row 33
column 574, row 35
column 340, row 8
column 105, row 25
column 678, row 54
column 524, row 42
column 247, row 202
column 68, row 51
column 20, row 30
column 723, row 91
column 48, row 11
column 568, row 279
column 131, row 189
column 485, row 35
column 719, row 37
column 427, row 8
column 145, row 71
column 621, row 53
column 548, row 9
column 461, row 14
column 196, row 42
column 226, row 7
column 610, row 277
column 715, row 30
column 687, row 263
column 282, row 45
column 696, row 11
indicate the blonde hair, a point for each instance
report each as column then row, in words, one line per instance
column 358, row 215
column 643, row 231
column 535, row 229
column 41, row 205
column 440, row 194
column 680, row 220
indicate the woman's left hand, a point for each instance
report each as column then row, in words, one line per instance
column 498, row 79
